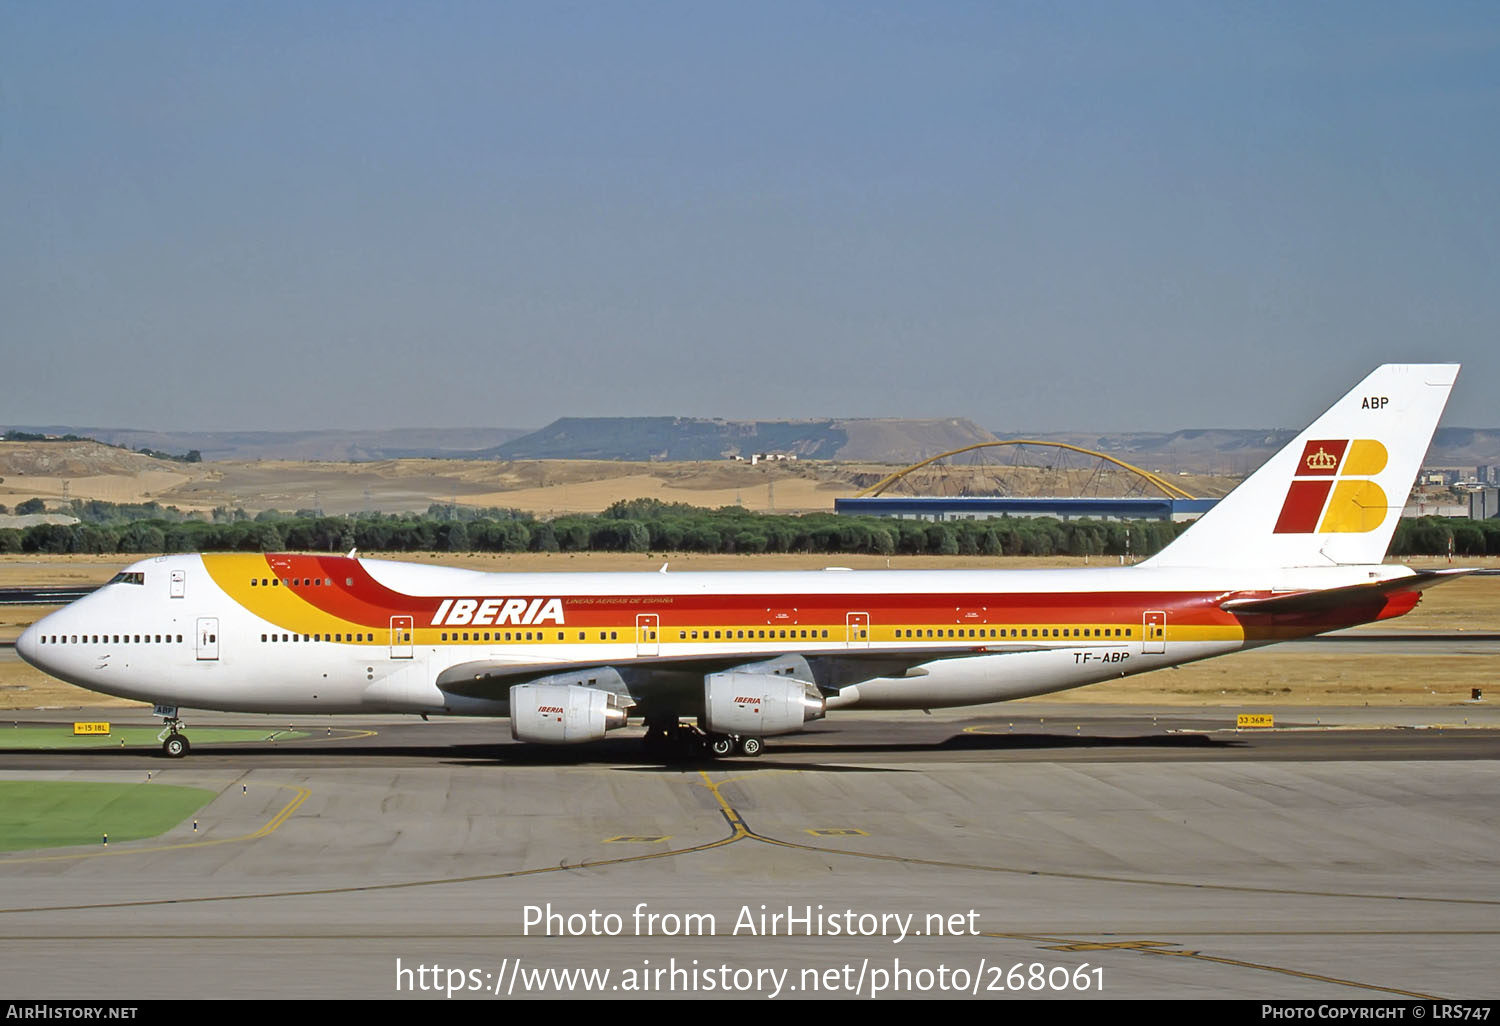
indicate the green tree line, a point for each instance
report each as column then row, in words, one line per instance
column 647, row 525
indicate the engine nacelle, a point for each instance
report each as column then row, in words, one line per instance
column 562, row 714
column 758, row 704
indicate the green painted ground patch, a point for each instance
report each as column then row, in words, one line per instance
column 60, row 813
column 62, row 736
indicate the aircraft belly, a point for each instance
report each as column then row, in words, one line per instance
column 327, row 684
column 1004, row 677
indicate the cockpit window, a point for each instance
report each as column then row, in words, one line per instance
column 126, row 577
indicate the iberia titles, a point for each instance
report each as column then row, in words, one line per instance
column 494, row 611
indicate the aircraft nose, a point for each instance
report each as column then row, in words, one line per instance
column 26, row 644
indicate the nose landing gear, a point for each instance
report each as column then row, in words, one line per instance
column 174, row 744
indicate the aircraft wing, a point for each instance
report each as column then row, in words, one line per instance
column 488, row 678
column 1318, row 601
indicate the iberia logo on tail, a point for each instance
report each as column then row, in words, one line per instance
column 1332, row 491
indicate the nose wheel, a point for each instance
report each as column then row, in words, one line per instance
column 174, row 743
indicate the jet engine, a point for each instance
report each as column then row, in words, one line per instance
column 757, row 704
column 562, row 714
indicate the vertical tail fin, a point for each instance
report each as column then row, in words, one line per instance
column 1335, row 493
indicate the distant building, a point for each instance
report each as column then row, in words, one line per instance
column 1484, row 503
column 1442, row 477
column 25, row 520
column 941, row 509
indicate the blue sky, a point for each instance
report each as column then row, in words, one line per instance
column 1038, row 216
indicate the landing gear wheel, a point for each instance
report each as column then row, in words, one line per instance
column 751, row 746
column 174, row 744
column 720, row 745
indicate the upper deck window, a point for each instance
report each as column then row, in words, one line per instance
column 126, row 577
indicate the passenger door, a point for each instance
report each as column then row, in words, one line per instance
column 647, row 633
column 401, row 637
column 858, row 630
column 1154, row 630
column 208, row 638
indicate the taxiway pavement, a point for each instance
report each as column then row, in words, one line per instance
column 1351, row 854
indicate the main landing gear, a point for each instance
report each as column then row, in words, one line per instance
column 671, row 739
column 174, row 743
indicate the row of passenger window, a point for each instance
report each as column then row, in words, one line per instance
column 751, row 635
column 317, row 637
column 920, row 633
column 647, row 635
column 1016, row 632
column 293, row 582
column 111, row 639
column 817, row 634
column 521, row 636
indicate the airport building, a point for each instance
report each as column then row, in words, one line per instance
column 936, row 490
column 1484, row 503
column 940, row 509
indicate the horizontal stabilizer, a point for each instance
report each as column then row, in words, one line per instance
column 1338, row 598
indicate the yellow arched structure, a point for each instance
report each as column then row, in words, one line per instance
column 1167, row 488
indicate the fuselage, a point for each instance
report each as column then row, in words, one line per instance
column 328, row 634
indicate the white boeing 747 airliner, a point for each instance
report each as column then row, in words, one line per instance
column 1295, row 550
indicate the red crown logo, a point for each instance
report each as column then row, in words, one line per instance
column 1322, row 460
